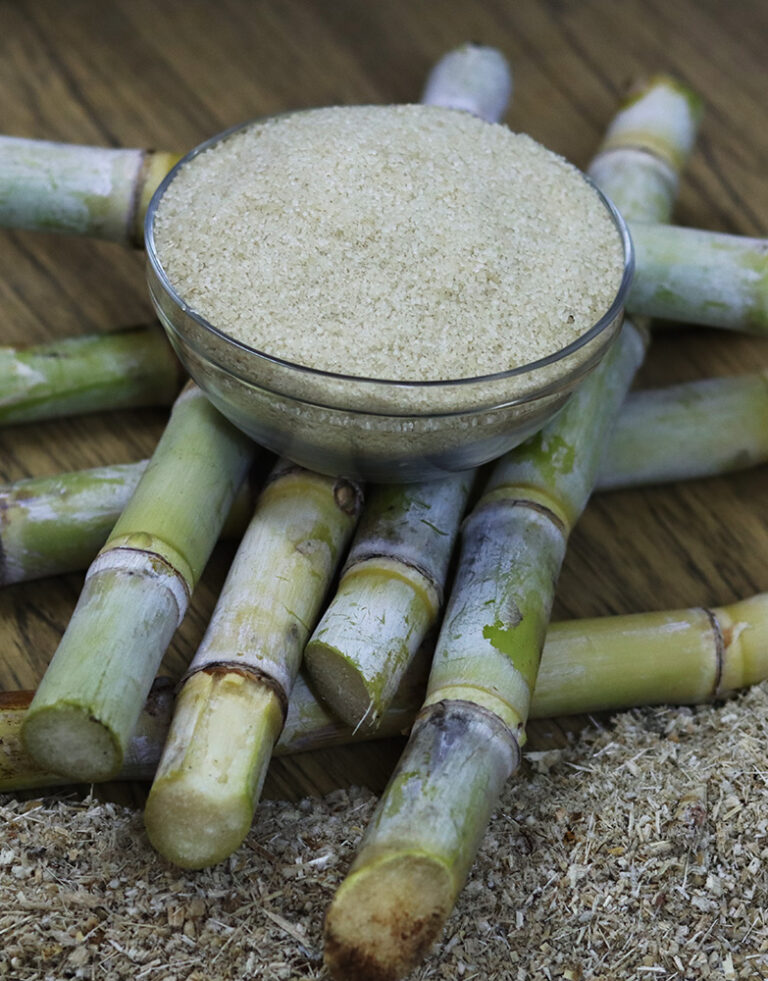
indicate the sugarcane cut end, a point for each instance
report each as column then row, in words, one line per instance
column 343, row 686
column 386, row 916
column 67, row 739
column 192, row 826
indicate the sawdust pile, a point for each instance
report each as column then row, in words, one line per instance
column 641, row 851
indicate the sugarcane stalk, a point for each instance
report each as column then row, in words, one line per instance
column 700, row 277
column 232, row 704
column 681, row 657
column 696, row 429
column 81, row 190
column 391, row 588
column 50, row 526
column 472, row 77
column 467, row 740
column 389, row 596
column 124, row 369
column 53, row 525
column 136, row 593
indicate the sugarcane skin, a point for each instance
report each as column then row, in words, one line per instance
column 185, row 534
column 123, row 369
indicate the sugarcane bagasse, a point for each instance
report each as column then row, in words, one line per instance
column 398, row 242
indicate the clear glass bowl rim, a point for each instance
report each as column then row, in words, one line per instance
column 562, row 354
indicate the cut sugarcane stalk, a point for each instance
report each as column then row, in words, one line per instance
column 19, row 771
column 389, row 596
column 53, row 525
column 700, row 277
column 136, row 593
column 125, row 369
column 683, row 657
column 232, row 705
column 423, row 836
column 391, row 588
column 696, row 429
column 82, row 190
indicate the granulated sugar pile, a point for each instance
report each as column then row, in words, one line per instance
column 640, row 852
column 393, row 242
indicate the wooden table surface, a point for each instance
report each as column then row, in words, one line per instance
column 169, row 75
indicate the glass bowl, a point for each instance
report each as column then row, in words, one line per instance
column 369, row 428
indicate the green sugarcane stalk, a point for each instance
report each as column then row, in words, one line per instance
column 682, row 657
column 232, row 704
column 50, row 526
column 700, row 277
column 389, row 596
column 80, row 190
column 136, row 593
column 466, row 742
column 125, row 369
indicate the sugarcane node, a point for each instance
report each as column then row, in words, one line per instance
column 158, row 564
column 721, row 642
column 348, row 496
column 360, row 557
column 493, row 502
column 454, row 715
column 223, row 668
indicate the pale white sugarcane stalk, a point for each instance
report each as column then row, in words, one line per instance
column 392, row 585
column 700, row 277
column 696, row 429
column 666, row 657
column 136, row 593
column 232, row 705
column 473, row 77
column 424, row 834
column 639, row 162
column 82, row 190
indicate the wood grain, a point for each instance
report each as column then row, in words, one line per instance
column 167, row 75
